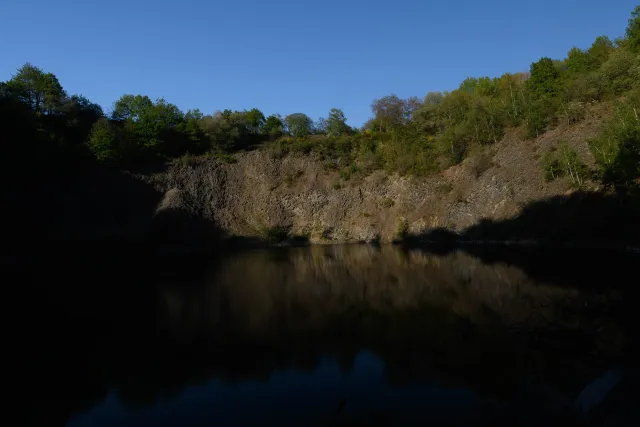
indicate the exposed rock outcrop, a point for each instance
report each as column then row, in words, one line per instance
column 259, row 193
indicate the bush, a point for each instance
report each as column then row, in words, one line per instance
column 617, row 72
column 540, row 116
column 585, row 88
column 572, row 112
column 564, row 162
column 402, row 229
column 103, row 141
column 617, row 148
column 551, row 166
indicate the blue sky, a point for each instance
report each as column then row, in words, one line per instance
column 290, row 56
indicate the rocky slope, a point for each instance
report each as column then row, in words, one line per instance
column 260, row 194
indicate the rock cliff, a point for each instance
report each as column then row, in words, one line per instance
column 260, row 196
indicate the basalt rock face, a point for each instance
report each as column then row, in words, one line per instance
column 297, row 196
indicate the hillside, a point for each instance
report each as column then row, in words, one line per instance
column 277, row 199
column 550, row 154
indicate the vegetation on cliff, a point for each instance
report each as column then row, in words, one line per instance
column 408, row 136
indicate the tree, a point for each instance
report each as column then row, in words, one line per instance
column 617, row 73
column 40, row 90
column 633, row 30
column 433, row 98
column 511, row 94
column 579, row 61
column 391, row 112
column 336, row 123
column 79, row 116
column 131, row 107
column 428, row 117
column 255, row 120
column 543, row 81
column 273, row 125
column 299, row 124
column 226, row 129
column 157, row 128
column 600, row 50
column 103, row 141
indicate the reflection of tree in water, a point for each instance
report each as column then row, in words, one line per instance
column 450, row 318
column 422, row 314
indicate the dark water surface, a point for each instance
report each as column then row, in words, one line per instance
column 339, row 335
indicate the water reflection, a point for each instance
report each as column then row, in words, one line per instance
column 337, row 335
column 319, row 397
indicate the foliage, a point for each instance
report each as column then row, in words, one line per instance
column 273, row 125
column 298, row 124
column 564, row 161
column 616, row 72
column 544, row 81
column 408, row 136
column 336, row 123
column 103, row 141
column 633, row 30
column 39, row 90
column 402, row 229
column 255, row 120
column 391, row 112
column 617, row 148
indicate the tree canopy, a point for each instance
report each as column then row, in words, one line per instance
column 412, row 135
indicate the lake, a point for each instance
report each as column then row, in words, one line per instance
column 321, row 335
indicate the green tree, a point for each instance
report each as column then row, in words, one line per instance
column 273, row 125
column 600, row 50
column 388, row 112
column 511, row 95
column 617, row 147
column 299, row 124
column 157, row 128
column 579, row 61
column 544, row 79
column 617, row 73
column 255, row 120
column 131, row 107
column 633, row 30
column 40, row 90
column 433, row 98
column 103, row 142
column 336, row 123
column 79, row 116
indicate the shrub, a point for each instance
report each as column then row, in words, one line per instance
column 617, row 148
column 585, row 88
column 540, row 116
column 572, row 112
column 564, row 162
column 617, row 72
column 103, row 141
column 551, row 166
column 402, row 228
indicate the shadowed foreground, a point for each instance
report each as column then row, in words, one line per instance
column 361, row 333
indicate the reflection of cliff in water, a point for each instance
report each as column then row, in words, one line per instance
column 427, row 316
column 446, row 318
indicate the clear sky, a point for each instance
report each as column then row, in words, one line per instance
column 291, row 56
